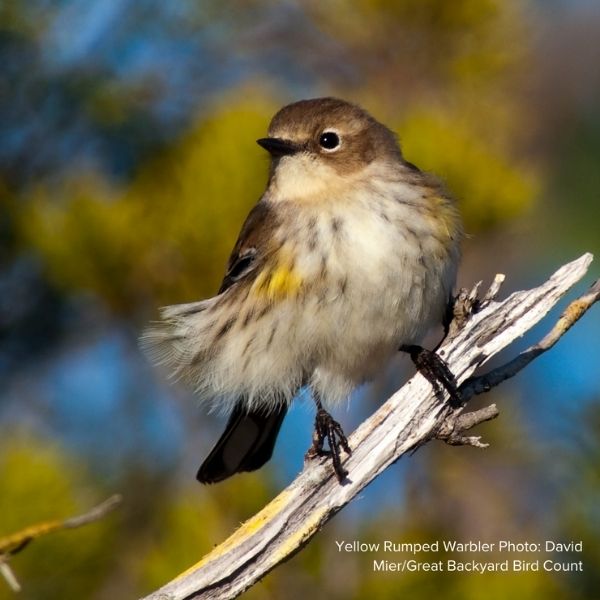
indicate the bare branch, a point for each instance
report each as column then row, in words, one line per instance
column 410, row 418
column 11, row 544
column 494, row 290
column 94, row 514
column 452, row 429
column 14, row 543
column 9, row 576
column 573, row 312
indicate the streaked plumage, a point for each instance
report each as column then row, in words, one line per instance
column 349, row 254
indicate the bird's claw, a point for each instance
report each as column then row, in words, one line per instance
column 327, row 428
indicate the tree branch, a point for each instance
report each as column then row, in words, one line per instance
column 410, row 418
column 14, row 543
column 570, row 316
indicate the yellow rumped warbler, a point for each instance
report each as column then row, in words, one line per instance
column 349, row 256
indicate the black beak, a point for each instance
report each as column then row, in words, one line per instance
column 277, row 147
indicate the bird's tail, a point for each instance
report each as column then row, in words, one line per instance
column 246, row 444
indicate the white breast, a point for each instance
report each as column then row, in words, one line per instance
column 388, row 281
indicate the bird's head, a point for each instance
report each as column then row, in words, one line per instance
column 318, row 144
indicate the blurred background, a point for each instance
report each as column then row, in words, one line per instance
column 127, row 165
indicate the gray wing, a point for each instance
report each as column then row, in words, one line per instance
column 180, row 339
column 252, row 245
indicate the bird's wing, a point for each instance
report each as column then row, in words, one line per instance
column 252, row 246
column 185, row 340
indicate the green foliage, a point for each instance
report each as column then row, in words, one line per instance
column 490, row 186
column 197, row 519
column 166, row 237
column 579, row 508
column 445, row 74
column 41, row 482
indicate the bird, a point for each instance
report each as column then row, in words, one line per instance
column 350, row 255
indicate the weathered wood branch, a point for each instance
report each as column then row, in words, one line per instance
column 15, row 542
column 410, row 418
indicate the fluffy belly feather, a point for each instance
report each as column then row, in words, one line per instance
column 393, row 293
column 329, row 313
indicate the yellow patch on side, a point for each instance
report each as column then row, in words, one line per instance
column 444, row 217
column 277, row 284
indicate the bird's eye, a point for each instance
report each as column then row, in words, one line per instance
column 329, row 140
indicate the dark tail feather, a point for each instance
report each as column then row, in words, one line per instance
column 246, row 444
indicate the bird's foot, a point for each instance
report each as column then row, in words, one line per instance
column 327, row 428
column 436, row 371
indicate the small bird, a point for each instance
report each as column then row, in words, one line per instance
column 349, row 256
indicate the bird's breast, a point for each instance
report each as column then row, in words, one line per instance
column 374, row 276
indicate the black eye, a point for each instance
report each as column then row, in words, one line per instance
column 329, row 140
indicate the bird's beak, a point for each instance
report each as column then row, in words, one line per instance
column 277, row 147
